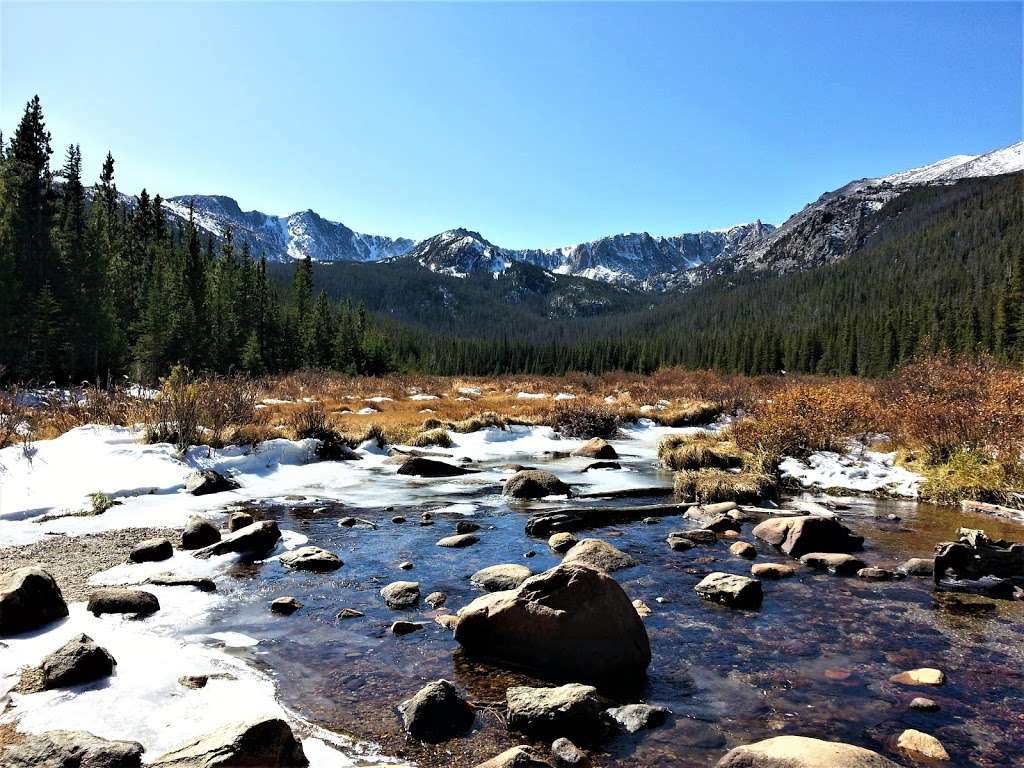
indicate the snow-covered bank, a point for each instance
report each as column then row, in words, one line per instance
column 860, row 470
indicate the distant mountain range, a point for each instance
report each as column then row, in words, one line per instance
column 823, row 232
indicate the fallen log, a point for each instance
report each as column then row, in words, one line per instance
column 993, row 509
column 578, row 518
column 628, row 493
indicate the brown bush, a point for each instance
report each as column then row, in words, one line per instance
column 700, row 450
column 707, row 486
column 577, row 418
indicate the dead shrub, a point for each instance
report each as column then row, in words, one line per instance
column 687, row 414
column 707, row 486
column 584, row 420
column 478, row 422
column 432, row 438
column 698, row 451
column 173, row 416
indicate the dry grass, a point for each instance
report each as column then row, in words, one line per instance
column 699, row 451
column 708, row 486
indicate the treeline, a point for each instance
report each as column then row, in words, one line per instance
column 94, row 287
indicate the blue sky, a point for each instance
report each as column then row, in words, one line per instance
column 538, row 125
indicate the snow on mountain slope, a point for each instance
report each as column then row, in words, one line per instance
column 1006, row 160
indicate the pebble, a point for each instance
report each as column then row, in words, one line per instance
column 922, row 704
column 921, row 676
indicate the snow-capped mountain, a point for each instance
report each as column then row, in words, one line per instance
column 284, row 238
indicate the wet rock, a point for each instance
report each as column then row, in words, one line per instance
column 358, row 522
column 419, row 466
column 286, row 606
column 78, row 661
column 772, row 571
column 174, row 580
column 535, row 484
column 199, row 533
column 122, row 600
column 874, row 573
column 730, row 534
column 596, row 449
column 436, row 599
column 401, row 594
column 205, row 481
column 466, row 526
column 447, row 620
column 731, row 590
column 568, row 755
column 921, row 676
column 918, row 744
column 562, row 542
column 836, row 563
column 798, row 536
column 239, row 520
column 405, row 565
column 266, row 743
column 743, row 549
column 459, row 540
column 398, row 519
column 523, row 756
column 721, row 523
column 572, row 622
column 696, row 536
column 571, row 710
column 599, row 554
column 919, row 566
column 71, row 749
column 436, row 713
column 802, row 752
column 349, row 613
column 921, row 704
column 403, row 627
column 642, row 609
column 29, row 599
column 253, row 540
column 974, row 563
column 602, row 465
column 151, row 551
column 311, row 559
column 637, row 717
column 496, row 578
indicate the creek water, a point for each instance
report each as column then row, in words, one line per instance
column 814, row 660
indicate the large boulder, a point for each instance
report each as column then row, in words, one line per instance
column 802, row 752
column 76, row 662
column 204, row 481
column 311, row 559
column 71, row 749
column 523, row 756
column 797, row 536
column 151, row 551
column 572, row 622
column 418, row 466
column 599, row 554
column 534, row 484
column 496, row 578
column 254, row 540
column 266, row 743
column 731, row 590
column 596, row 449
column 436, row 713
column 29, row 599
column 122, row 600
column 571, row 710
column 199, row 533
column 401, row 594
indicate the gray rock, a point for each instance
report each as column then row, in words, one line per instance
column 562, row 542
column 921, row 704
column 637, row 717
column 122, row 600
column 874, row 573
column 239, row 520
column 458, row 541
column 743, row 549
column 572, row 623
column 199, row 533
column 772, row 571
column 29, row 599
column 311, row 559
column 78, row 661
column 174, row 580
column 266, row 743
column 496, row 578
column 254, row 540
column 596, row 449
column 466, row 526
column 568, row 755
column 403, row 627
column 436, row 713
column 731, row 590
column 151, row 551
column 599, row 554
column 349, row 613
column 798, row 536
column 71, row 749
column 836, row 563
column 205, row 481
column 436, row 599
column 401, row 594
column 535, row 484
column 919, row 566
column 802, row 752
column 419, row 466
column 571, row 710
column 285, row 606
column 523, row 756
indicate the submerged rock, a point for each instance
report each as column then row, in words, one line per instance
column 637, row 717
column 199, row 533
column 772, row 571
column 569, row 710
column 401, row 594
column 535, row 484
column 802, row 752
column 122, row 600
column 731, row 590
column 253, row 540
column 599, row 554
column 496, row 578
column 921, row 676
column 71, row 749
column 29, row 599
column 205, row 481
column 151, row 551
column 436, row 713
column 572, row 622
column 798, row 536
column 266, row 743
column 78, row 661
column 836, row 563
column 311, row 559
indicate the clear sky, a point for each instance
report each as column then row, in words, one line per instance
column 538, row 125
